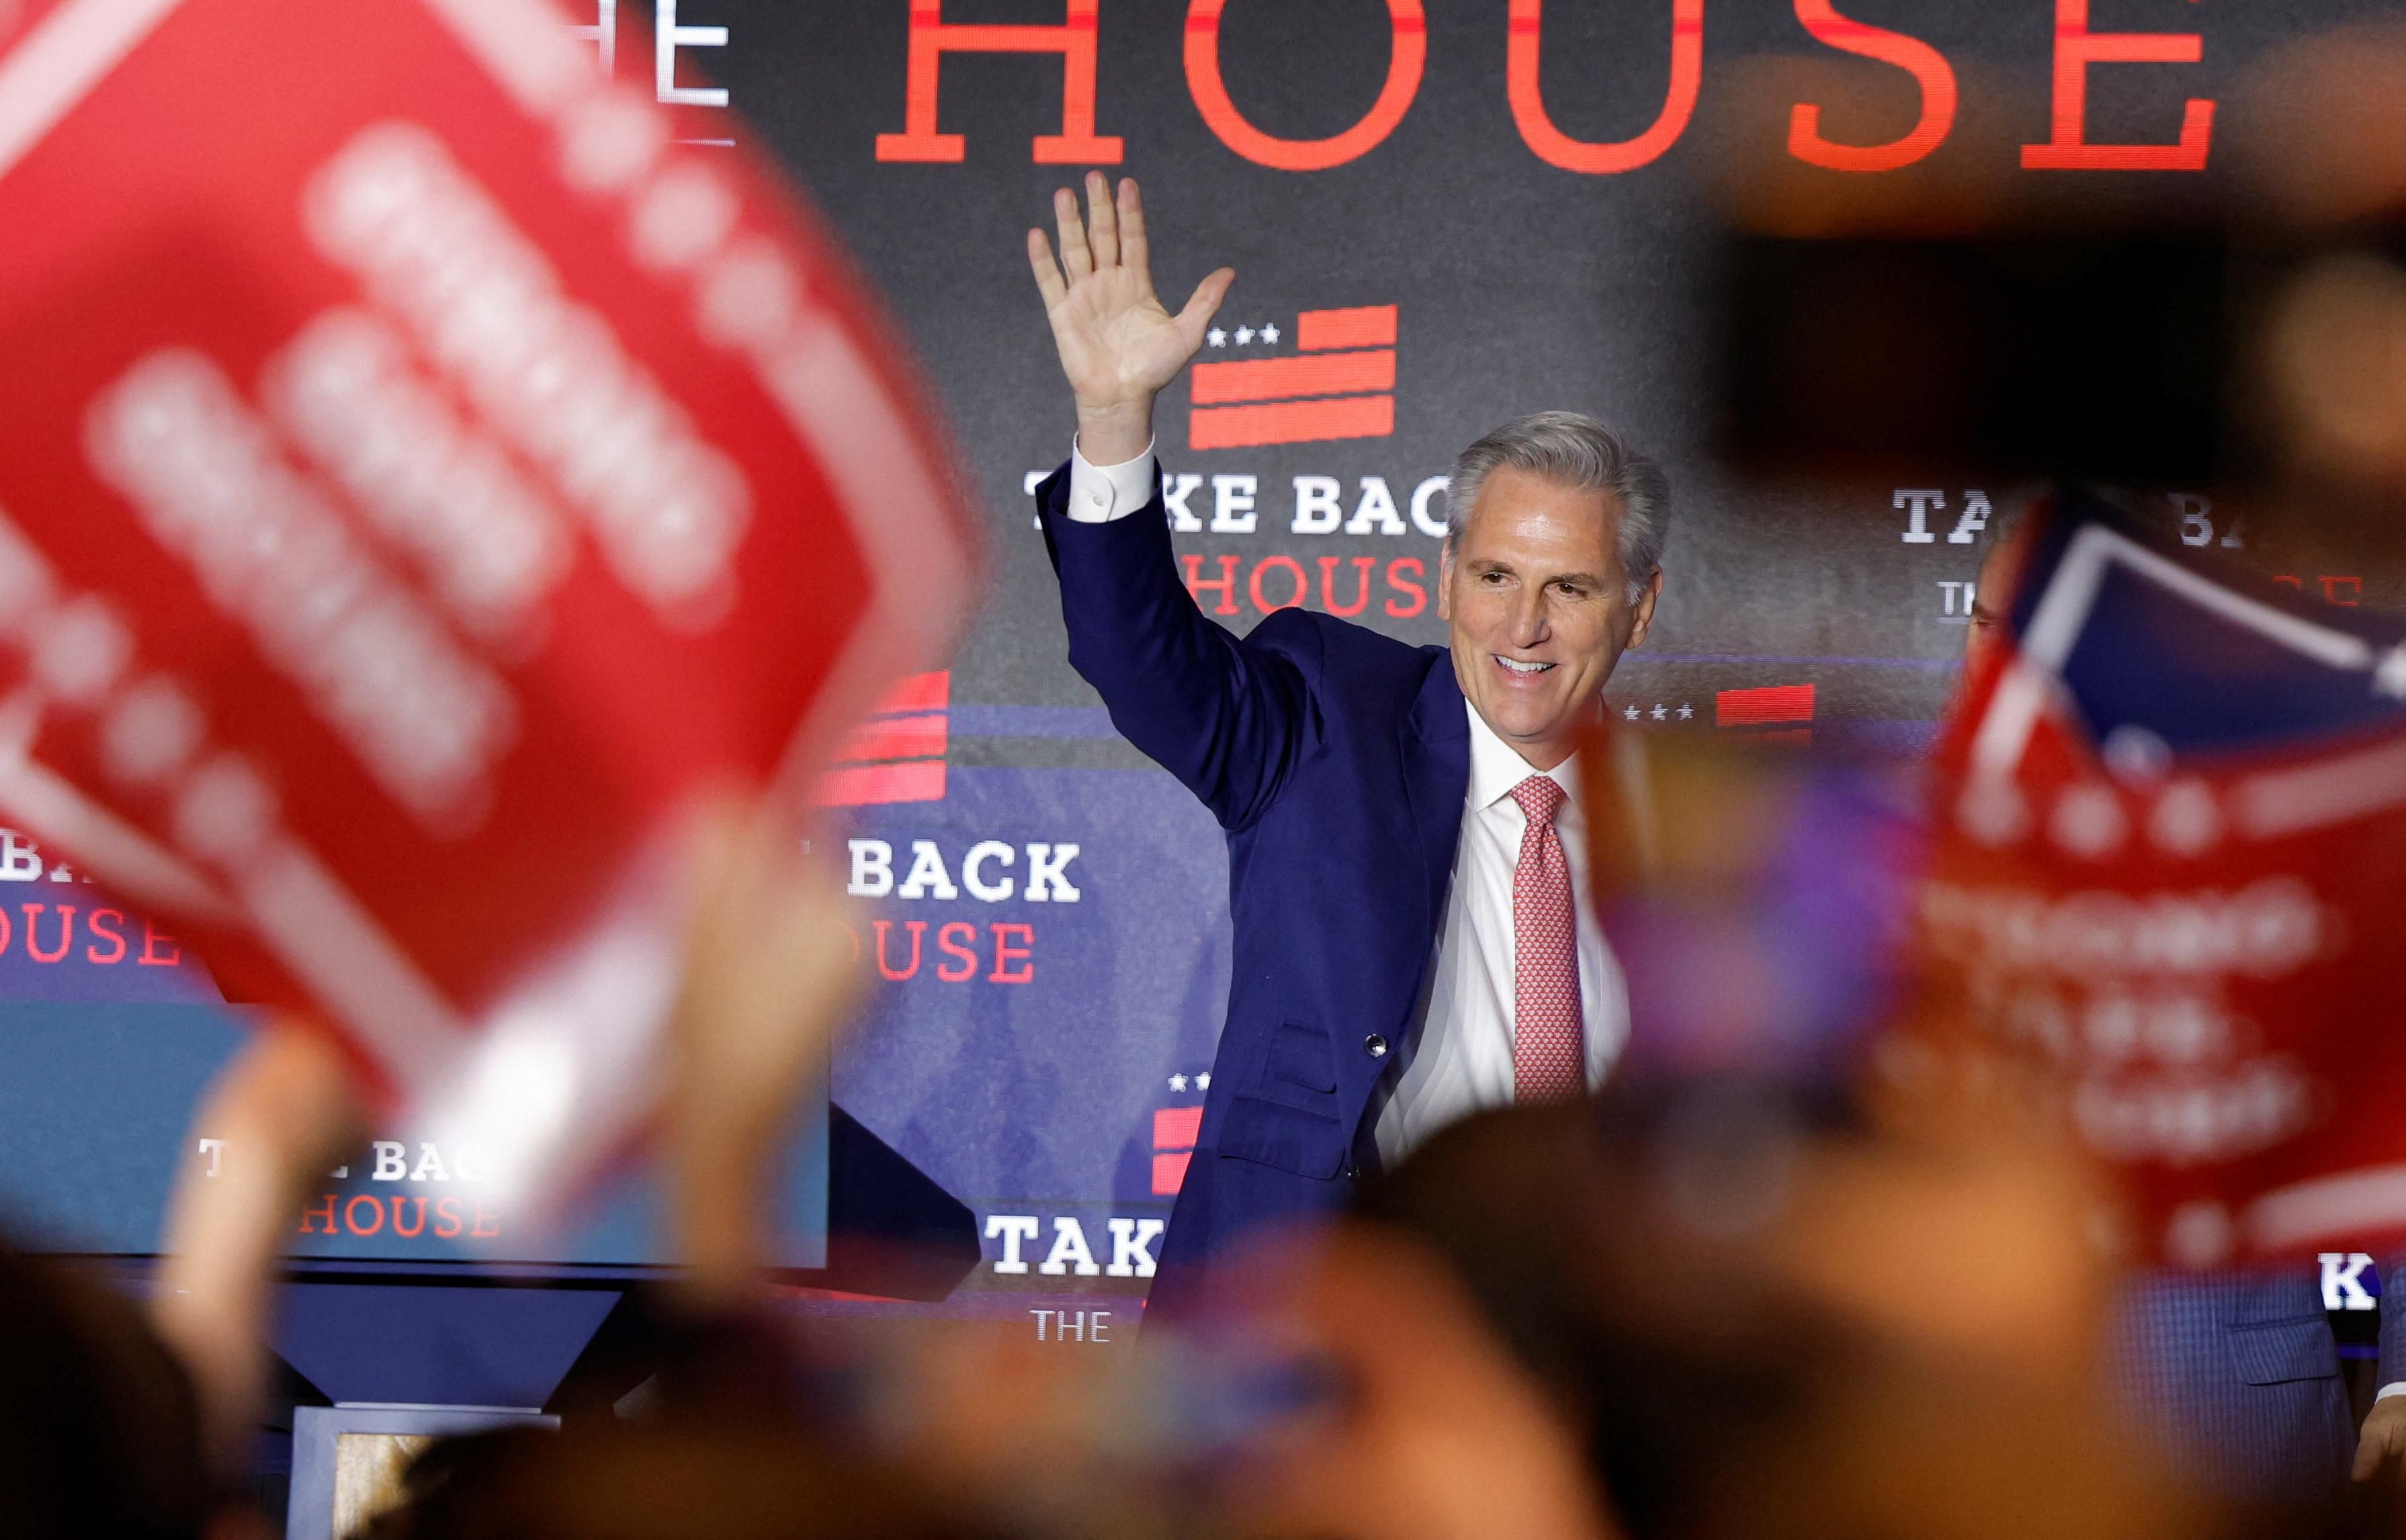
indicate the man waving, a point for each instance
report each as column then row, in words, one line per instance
column 1405, row 841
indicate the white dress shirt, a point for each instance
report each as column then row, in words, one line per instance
column 1463, row 1061
column 1463, row 1057
column 1101, row 493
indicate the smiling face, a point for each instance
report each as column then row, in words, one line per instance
column 1538, row 609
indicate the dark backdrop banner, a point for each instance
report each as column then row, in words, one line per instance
column 1442, row 213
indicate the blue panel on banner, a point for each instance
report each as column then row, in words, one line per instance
column 1049, row 967
column 1021, row 1044
column 61, row 941
column 95, row 1108
column 975, row 721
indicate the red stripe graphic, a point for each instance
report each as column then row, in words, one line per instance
column 1292, row 422
column 1169, row 1173
column 1272, row 379
column 1772, row 703
column 975, row 38
column 1364, row 326
column 918, row 692
column 1177, row 1128
column 895, row 737
column 1531, row 26
column 1400, row 23
column 867, row 785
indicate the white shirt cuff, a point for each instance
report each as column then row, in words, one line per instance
column 2396, row 1387
column 1101, row 493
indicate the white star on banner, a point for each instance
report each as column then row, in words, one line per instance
column 1686, row 711
column 1270, row 333
column 1244, row 336
column 1661, row 712
column 1629, row 711
column 1203, row 1081
column 1178, row 1082
column 2389, row 674
column 1216, row 337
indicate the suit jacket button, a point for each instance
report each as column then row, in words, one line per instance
column 1375, row 1046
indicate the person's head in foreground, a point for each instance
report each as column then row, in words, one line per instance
column 1705, row 1312
column 606, row 1479
column 100, row 1434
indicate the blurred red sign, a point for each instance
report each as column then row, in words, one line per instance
column 422, row 475
column 2172, row 860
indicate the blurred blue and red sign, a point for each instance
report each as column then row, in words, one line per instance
column 2172, row 862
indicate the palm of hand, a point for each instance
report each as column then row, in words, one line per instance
column 1119, row 345
column 1117, row 342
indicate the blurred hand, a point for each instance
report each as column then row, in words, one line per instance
column 286, row 1111
column 769, row 976
column 2384, row 1439
column 1443, row 1436
column 1119, row 345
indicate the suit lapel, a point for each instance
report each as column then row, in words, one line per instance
column 1437, row 776
column 1435, row 743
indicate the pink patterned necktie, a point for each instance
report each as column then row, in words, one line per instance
column 1548, row 1052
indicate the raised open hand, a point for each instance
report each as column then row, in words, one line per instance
column 1119, row 345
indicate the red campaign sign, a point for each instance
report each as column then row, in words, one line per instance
column 422, row 475
column 2200, row 936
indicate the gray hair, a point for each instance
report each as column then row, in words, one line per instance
column 1573, row 450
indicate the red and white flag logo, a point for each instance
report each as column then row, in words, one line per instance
column 1338, row 384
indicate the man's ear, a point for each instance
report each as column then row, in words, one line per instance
column 1643, row 611
column 1445, row 581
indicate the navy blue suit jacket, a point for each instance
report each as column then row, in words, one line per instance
column 2238, row 1377
column 1336, row 759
